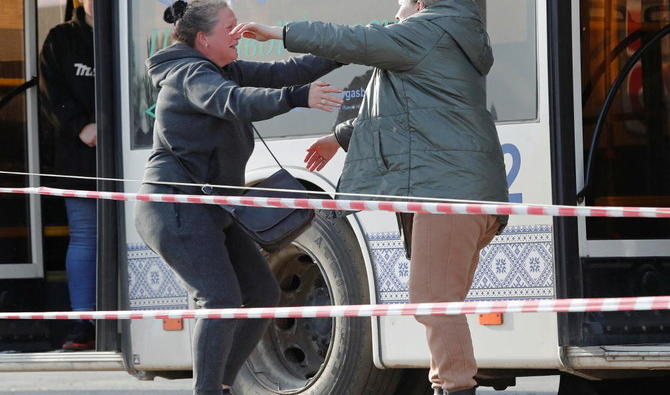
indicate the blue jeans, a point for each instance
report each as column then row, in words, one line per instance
column 80, row 261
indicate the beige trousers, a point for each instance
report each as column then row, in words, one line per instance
column 445, row 254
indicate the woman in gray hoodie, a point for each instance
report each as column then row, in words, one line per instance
column 202, row 133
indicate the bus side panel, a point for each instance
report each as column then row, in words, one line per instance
column 523, row 341
column 153, row 348
column 517, row 265
column 152, row 285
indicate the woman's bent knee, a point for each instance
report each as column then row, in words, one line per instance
column 218, row 301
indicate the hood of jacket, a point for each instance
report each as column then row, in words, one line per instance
column 165, row 60
column 462, row 20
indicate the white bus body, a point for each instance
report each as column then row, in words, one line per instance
column 544, row 120
column 522, row 340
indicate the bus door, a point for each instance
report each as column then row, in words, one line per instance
column 22, row 269
column 33, row 230
column 20, row 230
column 625, row 88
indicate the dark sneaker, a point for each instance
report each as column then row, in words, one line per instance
column 82, row 337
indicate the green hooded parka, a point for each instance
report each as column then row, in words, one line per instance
column 423, row 129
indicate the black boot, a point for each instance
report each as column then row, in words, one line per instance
column 471, row 391
column 440, row 391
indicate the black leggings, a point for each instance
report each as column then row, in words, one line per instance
column 221, row 268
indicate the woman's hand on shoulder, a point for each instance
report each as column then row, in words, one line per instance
column 320, row 96
column 258, row 32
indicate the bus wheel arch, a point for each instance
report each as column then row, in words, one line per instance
column 358, row 232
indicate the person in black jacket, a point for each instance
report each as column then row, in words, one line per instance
column 67, row 87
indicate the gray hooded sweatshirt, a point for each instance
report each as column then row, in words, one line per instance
column 202, row 132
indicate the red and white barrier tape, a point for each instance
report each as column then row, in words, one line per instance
column 382, row 310
column 361, row 205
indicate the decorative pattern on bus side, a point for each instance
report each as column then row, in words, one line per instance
column 517, row 265
column 151, row 282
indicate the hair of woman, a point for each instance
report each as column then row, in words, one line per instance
column 193, row 17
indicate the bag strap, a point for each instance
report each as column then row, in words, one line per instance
column 206, row 189
column 17, row 91
column 266, row 145
column 181, row 164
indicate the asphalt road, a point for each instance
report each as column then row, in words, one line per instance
column 120, row 383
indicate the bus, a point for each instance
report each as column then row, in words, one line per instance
column 580, row 93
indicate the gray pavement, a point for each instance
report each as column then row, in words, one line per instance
column 88, row 383
column 120, row 383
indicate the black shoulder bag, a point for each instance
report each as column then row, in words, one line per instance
column 272, row 228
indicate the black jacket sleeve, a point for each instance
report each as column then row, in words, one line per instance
column 294, row 71
column 208, row 91
column 60, row 106
column 343, row 133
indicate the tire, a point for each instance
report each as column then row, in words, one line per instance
column 318, row 356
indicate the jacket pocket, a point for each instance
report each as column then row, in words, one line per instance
column 392, row 143
column 379, row 154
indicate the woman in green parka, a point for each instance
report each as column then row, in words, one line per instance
column 423, row 131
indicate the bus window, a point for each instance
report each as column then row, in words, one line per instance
column 631, row 163
column 15, row 242
column 148, row 34
column 513, row 35
column 512, row 82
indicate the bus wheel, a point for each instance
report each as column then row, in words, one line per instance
column 318, row 356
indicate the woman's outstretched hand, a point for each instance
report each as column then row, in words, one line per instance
column 321, row 152
column 258, row 32
column 320, row 98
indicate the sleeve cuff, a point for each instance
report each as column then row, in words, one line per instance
column 298, row 96
column 344, row 145
column 77, row 125
column 343, row 135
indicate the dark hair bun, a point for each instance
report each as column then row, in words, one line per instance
column 175, row 12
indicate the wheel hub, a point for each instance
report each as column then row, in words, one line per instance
column 293, row 351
